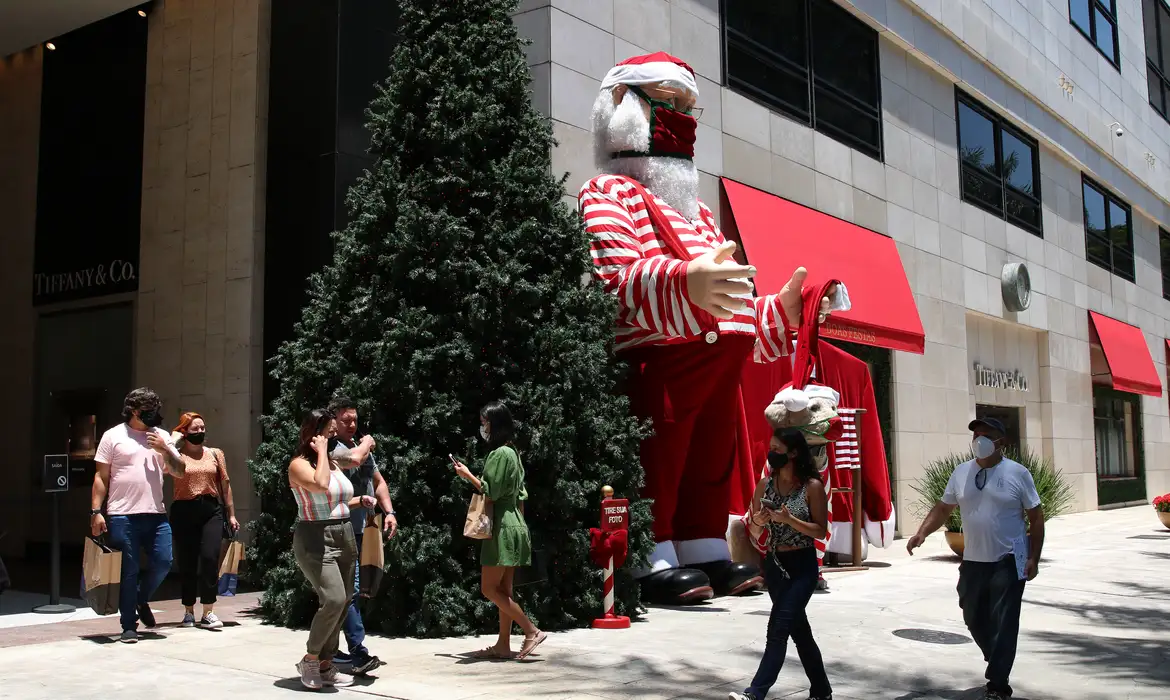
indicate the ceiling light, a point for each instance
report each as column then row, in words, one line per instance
column 142, row 13
column 50, row 46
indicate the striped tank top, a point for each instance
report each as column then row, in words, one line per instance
column 331, row 504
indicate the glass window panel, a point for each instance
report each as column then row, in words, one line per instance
column 1022, row 210
column 778, row 26
column 1097, row 251
column 1164, row 249
column 1104, row 34
column 1150, row 22
column 976, row 140
column 767, row 81
column 1079, row 11
column 845, row 119
column 1129, row 466
column 1155, row 85
column 1163, row 60
column 981, row 188
column 844, row 52
column 1017, row 163
column 1119, row 226
column 1094, row 211
column 1123, row 264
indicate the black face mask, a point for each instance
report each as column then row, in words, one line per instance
column 151, row 418
column 777, row 460
column 196, row 438
column 332, row 444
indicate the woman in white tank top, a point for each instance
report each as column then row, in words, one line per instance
column 323, row 543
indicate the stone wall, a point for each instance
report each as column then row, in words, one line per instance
column 200, row 303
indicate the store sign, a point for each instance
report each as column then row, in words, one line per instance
column 104, row 278
column 1000, row 379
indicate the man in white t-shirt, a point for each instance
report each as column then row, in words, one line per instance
column 131, row 460
column 993, row 494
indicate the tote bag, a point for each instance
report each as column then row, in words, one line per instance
column 478, row 525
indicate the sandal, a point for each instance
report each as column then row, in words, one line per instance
column 489, row 653
column 530, row 644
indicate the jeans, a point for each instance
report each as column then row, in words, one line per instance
column 791, row 577
column 327, row 556
column 354, row 630
column 990, row 594
column 130, row 534
column 198, row 533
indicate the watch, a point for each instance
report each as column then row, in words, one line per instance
column 393, row 512
column 95, row 511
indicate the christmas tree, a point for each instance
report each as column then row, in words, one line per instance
column 459, row 281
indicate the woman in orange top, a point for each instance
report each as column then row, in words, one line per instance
column 197, row 518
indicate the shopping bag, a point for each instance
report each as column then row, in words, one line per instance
column 373, row 558
column 478, row 525
column 101, row 573
column 231, row 553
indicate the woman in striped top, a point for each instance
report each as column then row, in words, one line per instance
column 323, row 542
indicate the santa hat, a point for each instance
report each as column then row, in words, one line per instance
column 651, row 68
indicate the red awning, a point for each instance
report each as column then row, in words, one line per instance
column 1127, row 355
column 778, row 236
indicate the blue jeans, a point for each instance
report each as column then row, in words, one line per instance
column 130, row 534
column 352, row 627
column 791, row 577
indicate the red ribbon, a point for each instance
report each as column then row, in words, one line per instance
column 606, row 543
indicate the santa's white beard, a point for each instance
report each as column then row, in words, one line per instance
column 625, row 127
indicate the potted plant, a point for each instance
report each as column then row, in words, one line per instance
column 1056, row 494
column 1162, row 507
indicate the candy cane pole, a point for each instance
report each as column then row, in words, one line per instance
column 609, row 620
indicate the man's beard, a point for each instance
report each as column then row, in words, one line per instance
column 625, row 127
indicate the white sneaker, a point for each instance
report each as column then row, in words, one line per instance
column 310, row 673
column 331, row 678
column 739, row 696
column 210, row 621
column 188, row 620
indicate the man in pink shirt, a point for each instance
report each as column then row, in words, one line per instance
column 131, row 460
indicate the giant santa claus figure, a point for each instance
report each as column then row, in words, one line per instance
column 687, row 321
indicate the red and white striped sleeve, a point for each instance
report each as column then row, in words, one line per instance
column 651, row 289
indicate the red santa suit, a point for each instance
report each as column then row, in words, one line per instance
column 685, row 363
column 850, row 377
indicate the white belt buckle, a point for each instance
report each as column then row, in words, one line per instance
column 711, row 337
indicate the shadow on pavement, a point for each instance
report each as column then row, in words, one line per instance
column 1142, row 661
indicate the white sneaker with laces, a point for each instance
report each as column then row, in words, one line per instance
column 330, row 677
column 210, row 622
column 188, row 620
column 310, row 673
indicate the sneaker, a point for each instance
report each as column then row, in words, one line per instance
column 740, row 696
column 128, row 637
column 188, row 620
column 995, row 695
column 361, row 666
column 146, row 615
column 820, row 697
column 342, row 658
column 310, row 673
column 210, row 621
column 330, row 677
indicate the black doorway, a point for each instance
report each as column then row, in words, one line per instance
column 1009, row 416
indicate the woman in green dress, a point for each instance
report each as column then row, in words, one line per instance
column 510, row 546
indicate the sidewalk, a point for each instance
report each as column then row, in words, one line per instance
column 1096, row 626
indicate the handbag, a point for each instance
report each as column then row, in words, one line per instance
column 478, row 525
column 221, row 469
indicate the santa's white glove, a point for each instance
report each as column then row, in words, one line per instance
column 719, row 285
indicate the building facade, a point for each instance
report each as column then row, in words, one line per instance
column 988, row 150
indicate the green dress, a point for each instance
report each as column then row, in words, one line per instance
column 503, row 484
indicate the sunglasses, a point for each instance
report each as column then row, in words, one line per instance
column 981, row 479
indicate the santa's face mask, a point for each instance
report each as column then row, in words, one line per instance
column 672, row 132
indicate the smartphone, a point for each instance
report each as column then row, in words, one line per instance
column 770, row 505
column 453, row 460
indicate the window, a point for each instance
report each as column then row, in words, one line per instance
column 1164, row 250
column 999, row 167
column 1157, row 24
column 811, row 60
column 1115, row 428
column 1097, row 20
column 1108, row 233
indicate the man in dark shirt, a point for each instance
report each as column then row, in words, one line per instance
column 356, row 459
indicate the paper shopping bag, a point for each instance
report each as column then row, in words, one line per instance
column 101, row 571
column 373, row 558
column 478, row 525
column 231, row 553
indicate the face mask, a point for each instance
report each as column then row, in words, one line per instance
column 483, row 433
column 151, row 418
column 672, row 133
column 196, row 438
column 983, row 447
column 777, row 460
column 332, row 444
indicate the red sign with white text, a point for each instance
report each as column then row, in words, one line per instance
column 615, row 514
